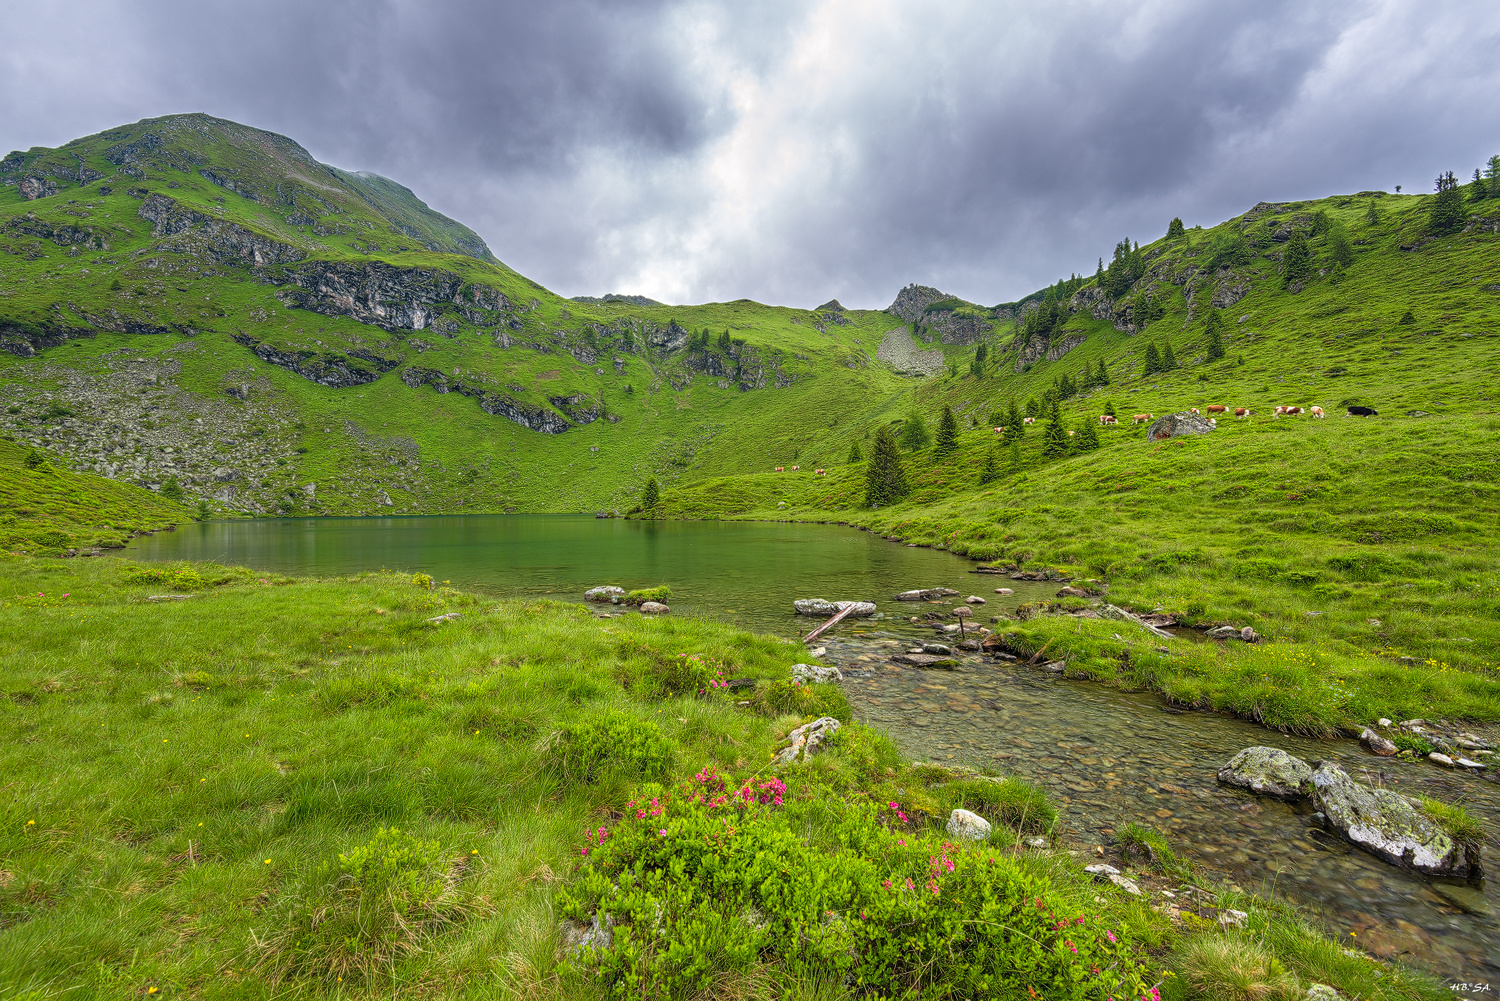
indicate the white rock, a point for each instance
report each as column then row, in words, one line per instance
column 1322, row 992
column 1440, row 758
column 1382, row 721
column 1004, row 590
column 806, row 740
column 974, row 599
column 1099, row 869
column 654, row 608
column 1467, row 763
column 817, row 675
column 817, row 651
column 1036, row 842
column 1231, row 918
column 607, row 593
column 445, row 617
column 970, row 826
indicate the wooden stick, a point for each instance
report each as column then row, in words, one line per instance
column 843, row 614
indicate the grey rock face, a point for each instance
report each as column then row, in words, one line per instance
column 534, row 418
column 968, row 826
column 1178, row 426
column 1269, row 771
column 900, row 351
column 913, row 299
column 827, row 609
column 1388, row 825
column 324, row 368
column 225, row 241
column 805, row 741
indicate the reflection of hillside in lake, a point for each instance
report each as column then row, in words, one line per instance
column 747, row 572
column 1108, row 757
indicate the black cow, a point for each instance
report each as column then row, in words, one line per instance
column 1361, row 412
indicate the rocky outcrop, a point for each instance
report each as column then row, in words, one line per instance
column 1062, row 347
column 608, row 593
column 24, row 340
column 1269, row 771
column 900, row 351
column 1178, row 426
column 1390, row 826
column 831, row 306
column 32, row 188
column 326, row 368
column 500, row 404
column 224, row 241
column 580, row 408
column 390, row 297
column 805, row 741
column 912, row 301
column 63, row 235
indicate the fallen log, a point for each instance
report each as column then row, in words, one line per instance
column 843, row 613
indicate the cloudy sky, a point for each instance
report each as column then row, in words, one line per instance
column 795, row 150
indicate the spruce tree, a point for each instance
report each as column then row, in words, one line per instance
column 947, row 433
column 1153, row 361
column 1372, row 216
column 1296, row 260
column 1447, row 207
column 1492, row 174
column 1339, row 247
column 725, row 342
column 1103, row 377
column 1213, row 335
column 1032, row 410
column 914, row 435
column 1478, row 191
column 1055, row 441
column 1168, row 359
column 650, row 495
column 1014, row 427
column 990, row 471
column 855, row 455
column 1109, row 407
column 885, row 477
column 1087, row 438
column 1175, row 229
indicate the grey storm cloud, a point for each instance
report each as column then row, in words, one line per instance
column 795, row 150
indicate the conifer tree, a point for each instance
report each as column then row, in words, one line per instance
column 1339, row 247
column 650, row 495
column 1168, row 359
column 1055, row 441
column 1153, row 361
column 724, row 341
column 1109, row 407
column 1087, row 438
column 885, row 477
column 1447, row 208
column 1372, row 216
column 855, row 455
column 1478, row 191
column 1032, row 410
column 947, row 433
column 1175, row 229
column 1014, row 428
column 1296, row 260
column 1015, row 455
column 1102, row 379
column 914, row 434
column 1213, row 335
column 990, row 471
column 1492, row 174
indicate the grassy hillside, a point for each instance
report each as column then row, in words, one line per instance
column 300, row 788
column 44, row 509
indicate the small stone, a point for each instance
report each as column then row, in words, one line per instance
column 1382, row 721
column 1224, row 633
column 1470, row 763
column 1248, row 635
column 975, row 599
column 1440, row 758
column 1101, row 870
column 963, row 613
column 1270, row 771
column 938, row 648
column 445, row 617
column 817, row 651
column 1322, row 992
column 1036, row 842
column 817, row 675
column 1376, row 744
column 654, row 608
column 606, row 593
column 1004, row 590
column 969, row 826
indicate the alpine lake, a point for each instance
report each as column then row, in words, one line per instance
column 1107, row 757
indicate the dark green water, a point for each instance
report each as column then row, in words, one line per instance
column 748, row 572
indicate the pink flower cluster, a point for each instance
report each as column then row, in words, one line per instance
column 590, row 836
column 895, row 808
column 940, row 865
column 641, row 811
column 770, row 791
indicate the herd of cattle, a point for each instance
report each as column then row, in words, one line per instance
column 1240, row 413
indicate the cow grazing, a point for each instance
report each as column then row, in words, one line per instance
column 781, row 469
column 999, row 430
column 1194, row 412
column 795, row 468
column 1218, row 408
column 1028, row 420
column 1105, row 420
column 820, row 472
column 1141, row 418
column 1288, row 411
column 1360, row 412
column 1315, row 412
column 1241, row 413
column 1072, row 433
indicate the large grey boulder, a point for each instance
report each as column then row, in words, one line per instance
column 607, row 593
column 1389, row 825
column 826, row 609
column 1178, row 426
column 807, row 740
column 814, row 674
column 1269, row 771
column 968, row 826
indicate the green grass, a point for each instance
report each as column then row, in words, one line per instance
column 47, row 509
column 276, row 783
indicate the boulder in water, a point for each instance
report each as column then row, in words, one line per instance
column 1270, row 771
column 827, row 609
column 927, row 594
column 1376, row 744
column 654, row 608
column 1387, row 824
column 607, row 593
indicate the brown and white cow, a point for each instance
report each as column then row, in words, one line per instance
column 1315, row 412
column 1218, row 408
column 781, row 469
column 999, row 430
column 820, row 472
column 1105, row 420
column 1194, row 412
column 1241, row 413
column 1028, row 420
column 1141, row 418
column 1288, row 411
column 795, row 468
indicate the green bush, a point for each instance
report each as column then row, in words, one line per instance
column 352, row 915
column 1413, row 743
column 790, row 696
column 712, row 880
column 583, row 751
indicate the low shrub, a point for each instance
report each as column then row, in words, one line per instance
column 711, row 881
column 791, row 696
column 1413, row 743
column 1232, row 968
column 614, row 740
column 353, row 914
column 181, row 576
